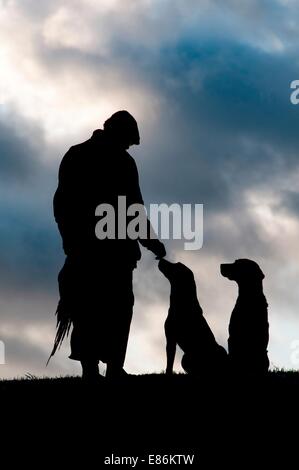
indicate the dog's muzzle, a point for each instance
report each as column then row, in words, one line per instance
column 227, row 270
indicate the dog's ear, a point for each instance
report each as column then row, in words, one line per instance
column 248, row 268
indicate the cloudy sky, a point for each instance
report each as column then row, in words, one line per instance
column 209, row 84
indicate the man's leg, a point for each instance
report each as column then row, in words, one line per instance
column 120, row 341
column 81, row 349
column 90, row 369
column 123, row 312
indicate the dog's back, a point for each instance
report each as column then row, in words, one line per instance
column 249, row 333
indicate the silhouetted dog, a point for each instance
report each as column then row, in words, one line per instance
column 248, row 327
column 186, row 326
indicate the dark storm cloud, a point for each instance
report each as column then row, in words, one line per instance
column 29, row 247
column 221, row 73
column 28, row 243
column 18, row 148
column 290, row 200
column 226, row 125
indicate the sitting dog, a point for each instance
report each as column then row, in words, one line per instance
column 186, row 326
column 248, row 327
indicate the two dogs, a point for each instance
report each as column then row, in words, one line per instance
column 186, row 326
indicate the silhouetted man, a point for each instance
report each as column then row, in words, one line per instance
column 96, row 293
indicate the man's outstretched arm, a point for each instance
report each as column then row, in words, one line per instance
column 151, row 241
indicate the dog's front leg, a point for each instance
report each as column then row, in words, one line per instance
column 170, row 353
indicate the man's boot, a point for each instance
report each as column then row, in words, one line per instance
column 90, row 371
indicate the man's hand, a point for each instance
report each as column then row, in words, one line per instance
column 153, row 244
column 159, row 249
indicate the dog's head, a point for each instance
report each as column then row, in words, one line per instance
column 242, row 270
column 175, row 272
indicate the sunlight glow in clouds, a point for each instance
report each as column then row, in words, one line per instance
column 68, row 101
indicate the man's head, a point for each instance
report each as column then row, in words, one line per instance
column 122, row 129
column 242, row 271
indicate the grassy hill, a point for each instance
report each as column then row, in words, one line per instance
column 222, row 421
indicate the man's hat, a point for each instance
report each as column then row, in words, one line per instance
column 124, row 125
